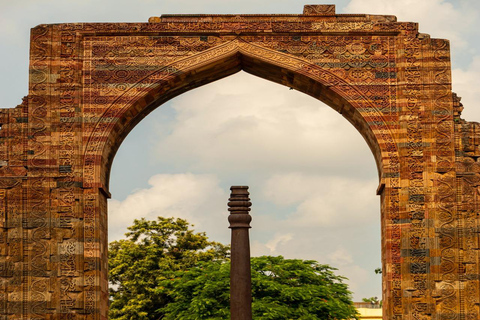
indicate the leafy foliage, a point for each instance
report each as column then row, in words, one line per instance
column 281, row 289
column 373, row 301
column 153, row 252
column 163, row 270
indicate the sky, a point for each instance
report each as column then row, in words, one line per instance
column 312, row 176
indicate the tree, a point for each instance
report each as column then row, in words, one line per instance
column 153, row 252
column 163, row 270
column 281, row 289
column 373, row 301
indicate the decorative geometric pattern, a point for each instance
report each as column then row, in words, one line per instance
column 91, row 83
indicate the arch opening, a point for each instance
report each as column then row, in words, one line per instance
column 313, row 182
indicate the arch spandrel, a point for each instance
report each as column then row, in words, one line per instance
column 91, row 83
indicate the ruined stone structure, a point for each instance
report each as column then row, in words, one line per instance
column 91, row 83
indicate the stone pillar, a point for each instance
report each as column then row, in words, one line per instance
column 240, row 275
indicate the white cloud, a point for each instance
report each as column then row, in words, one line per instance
column 323, row 201
column 278, row 239
column 197, row 198
column 340, row 257
column 357, row 276
column 247, row 124
column 439, row 18
column 333, row 246
column 467, row 86
column 358, row 279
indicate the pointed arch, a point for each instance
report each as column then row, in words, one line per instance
column 210, row 65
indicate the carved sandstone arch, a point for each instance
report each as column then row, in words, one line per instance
column 222, row 61
column 91, row 83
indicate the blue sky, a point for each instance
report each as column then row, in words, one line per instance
column 312, row 177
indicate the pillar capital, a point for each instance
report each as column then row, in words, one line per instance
column 239, row 206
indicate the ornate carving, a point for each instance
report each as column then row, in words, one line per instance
column 322, row 10
column 67, row 116
column 35, row 246
column 443, row 106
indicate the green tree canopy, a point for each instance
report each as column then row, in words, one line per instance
column 153, row 252
column 281, row 289
column 164, row 270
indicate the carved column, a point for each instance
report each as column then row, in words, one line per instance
column 240, row 275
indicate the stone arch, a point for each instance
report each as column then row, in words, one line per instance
column 223, row 61
column 90, row 83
